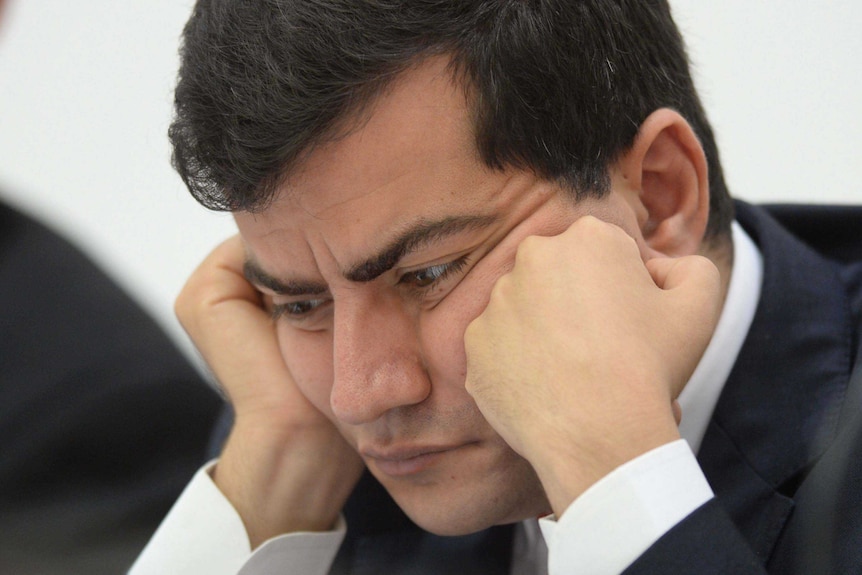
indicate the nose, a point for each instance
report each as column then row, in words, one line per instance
column 377, row 363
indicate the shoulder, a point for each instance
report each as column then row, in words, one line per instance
column 833, row 230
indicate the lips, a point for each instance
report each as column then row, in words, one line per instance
column 408, row 460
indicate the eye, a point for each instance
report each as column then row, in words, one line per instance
column 427, row 277
column 296, row 309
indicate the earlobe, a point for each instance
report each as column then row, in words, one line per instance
column 666, row 181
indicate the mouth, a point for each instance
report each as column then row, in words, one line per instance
column 403, row 461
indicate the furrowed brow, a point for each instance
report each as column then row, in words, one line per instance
column 414, row 238
column 259, row 277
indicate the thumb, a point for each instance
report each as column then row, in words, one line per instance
column 692, row 289
column 695, row 272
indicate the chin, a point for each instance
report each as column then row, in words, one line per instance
column 448, row 526
column 456, row 511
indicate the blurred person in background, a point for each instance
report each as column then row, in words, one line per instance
column 102, row 419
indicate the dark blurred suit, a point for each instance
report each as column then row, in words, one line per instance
column 102, row 420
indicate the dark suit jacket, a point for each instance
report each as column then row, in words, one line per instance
column 783, row 451
column 102, row 420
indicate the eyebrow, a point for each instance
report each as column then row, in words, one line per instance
column 255, row 274
column 412, row 239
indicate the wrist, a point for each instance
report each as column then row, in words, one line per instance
column 298, row 481
column 567, row 472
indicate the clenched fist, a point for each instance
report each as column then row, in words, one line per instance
column 582, row 350
column 285, row 467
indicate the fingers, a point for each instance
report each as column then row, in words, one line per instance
column 219, row 278
column 224, row 316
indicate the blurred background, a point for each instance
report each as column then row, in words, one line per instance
column 85, row 102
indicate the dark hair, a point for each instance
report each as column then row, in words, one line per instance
column 560, row 87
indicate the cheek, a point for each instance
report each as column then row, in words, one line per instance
column 443, row 328
column 308, row 356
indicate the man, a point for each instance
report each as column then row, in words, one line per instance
column 398, row 170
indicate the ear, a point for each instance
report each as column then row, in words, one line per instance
column 664, row 178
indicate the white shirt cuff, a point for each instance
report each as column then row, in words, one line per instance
column 203, row 533
column 612, row 523
column 297, row 553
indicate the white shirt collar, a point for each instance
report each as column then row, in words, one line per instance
column 700, row 395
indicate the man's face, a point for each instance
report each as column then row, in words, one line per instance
column 383, row 248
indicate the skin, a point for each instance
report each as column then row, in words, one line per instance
column 367, row 353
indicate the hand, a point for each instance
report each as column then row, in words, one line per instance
column 285, row 467
column 582, row 350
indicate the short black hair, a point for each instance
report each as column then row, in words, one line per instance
column 559, row 87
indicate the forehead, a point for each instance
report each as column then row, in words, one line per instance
column 418, row 127
column 410, row 158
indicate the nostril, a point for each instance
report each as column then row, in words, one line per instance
column 347, row 407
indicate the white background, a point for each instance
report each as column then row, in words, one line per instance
column 85, row 102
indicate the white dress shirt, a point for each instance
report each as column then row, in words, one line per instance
column 602, row 532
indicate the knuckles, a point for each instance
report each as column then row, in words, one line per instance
column 211, row 283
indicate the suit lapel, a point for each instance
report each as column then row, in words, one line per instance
column 783, row 397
